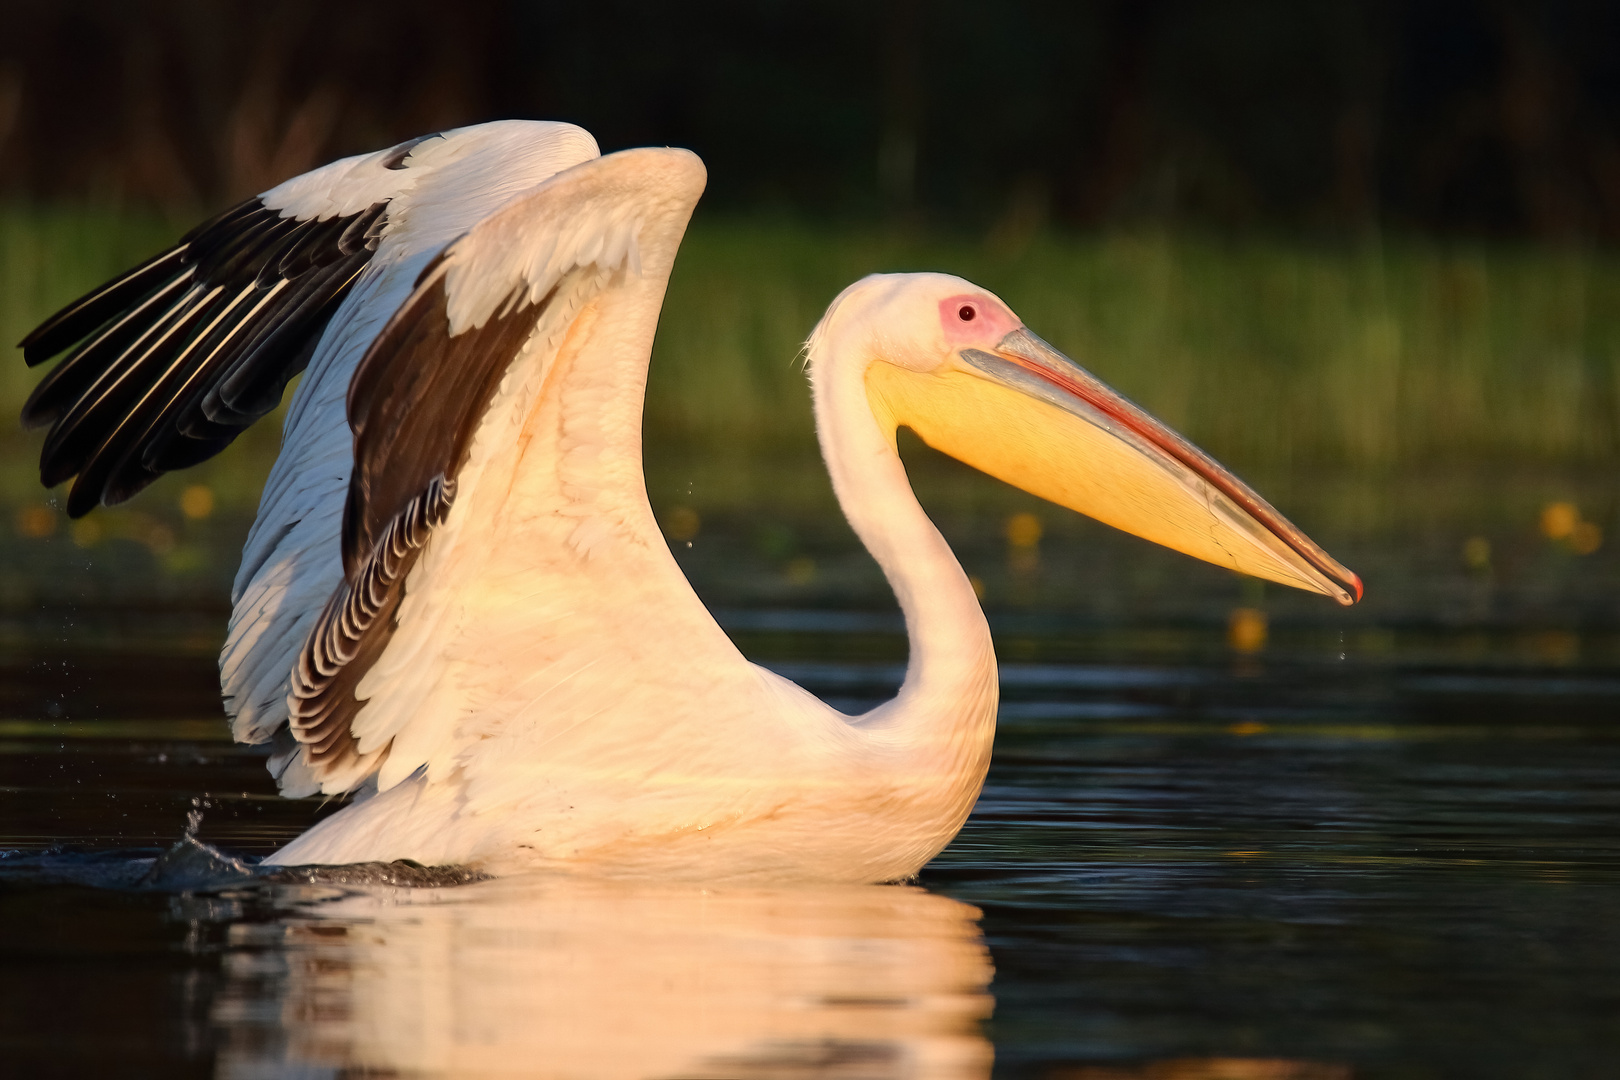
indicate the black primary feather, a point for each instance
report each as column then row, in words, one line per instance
column 180, row 355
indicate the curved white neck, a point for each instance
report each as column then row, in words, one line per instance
column 951, row 672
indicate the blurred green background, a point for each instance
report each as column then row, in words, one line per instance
column 1439, row 414
column 1359, row 252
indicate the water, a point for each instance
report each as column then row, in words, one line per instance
column 1187, row 863
column 1230, row 833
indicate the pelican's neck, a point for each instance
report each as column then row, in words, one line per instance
column 952, row 667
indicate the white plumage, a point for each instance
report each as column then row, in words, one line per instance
column 290, row 564
column 538, row 686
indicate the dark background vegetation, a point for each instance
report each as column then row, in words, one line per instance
column 1363, row 252
column 1472, row 117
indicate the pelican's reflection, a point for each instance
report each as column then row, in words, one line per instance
column 584, row 980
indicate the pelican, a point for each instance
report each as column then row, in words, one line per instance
column 455, row 602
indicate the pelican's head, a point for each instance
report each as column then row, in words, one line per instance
column 953, row 363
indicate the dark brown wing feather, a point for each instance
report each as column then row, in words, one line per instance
column 415, row 401
column 414, row 404
column 354, row 628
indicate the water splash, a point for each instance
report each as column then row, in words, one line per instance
column 193, row 866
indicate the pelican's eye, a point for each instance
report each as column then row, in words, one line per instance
column 966, row 313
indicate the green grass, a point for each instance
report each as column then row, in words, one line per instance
column 1266, row 352
column 1394, row 399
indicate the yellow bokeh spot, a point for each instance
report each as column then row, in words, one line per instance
column 682, row 523
column 197, row 502
column 1246, row 630
column 1023, row 531
column 801, row 571
column 36, row 522
column 1248, row 727
column 1556, row 646
column 87, row 532
column 1476, row 553
column 1586, row 538
column 1558, row 520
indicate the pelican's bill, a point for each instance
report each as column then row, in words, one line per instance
column 1029, row 416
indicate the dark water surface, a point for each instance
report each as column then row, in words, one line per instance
column 1187, row 863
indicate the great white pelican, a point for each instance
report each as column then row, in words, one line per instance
column 455, row 602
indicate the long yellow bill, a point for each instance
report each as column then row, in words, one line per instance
column 1027, row 414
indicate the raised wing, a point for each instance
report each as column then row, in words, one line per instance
column 125, row 407
column 176, row 357
column 476, row 337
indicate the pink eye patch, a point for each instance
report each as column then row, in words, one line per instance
column 974, row 319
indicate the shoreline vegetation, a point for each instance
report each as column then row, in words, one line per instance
column 1416, row 405
column 1376, row 354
